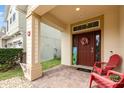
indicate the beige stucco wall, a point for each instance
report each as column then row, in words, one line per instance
column 122, row 36
column 111, row 32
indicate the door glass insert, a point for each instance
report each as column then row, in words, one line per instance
column 98, row 57
column 75, row 49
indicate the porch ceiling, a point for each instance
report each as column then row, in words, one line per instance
column 42, row 9
column 61, row 15
column 68, row 14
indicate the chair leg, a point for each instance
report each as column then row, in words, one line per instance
column 90, row 82
column 92, row 70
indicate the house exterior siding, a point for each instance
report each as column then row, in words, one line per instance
column 15, row 28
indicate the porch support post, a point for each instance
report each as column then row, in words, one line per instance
column 34, row 70
column 66, row 46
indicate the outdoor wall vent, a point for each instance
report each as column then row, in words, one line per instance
column 86, row 26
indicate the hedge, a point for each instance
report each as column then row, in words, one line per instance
column 9, row 57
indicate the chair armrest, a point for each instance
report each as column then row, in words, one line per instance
column 102, row 78
column 109, row 67
column 98, row 63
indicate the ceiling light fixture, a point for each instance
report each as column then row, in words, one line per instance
column 77, row 9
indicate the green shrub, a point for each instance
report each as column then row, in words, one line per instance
column 9, row 58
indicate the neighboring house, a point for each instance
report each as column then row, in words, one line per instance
column 15, row 34
column 50, row 41
column 15, row 18
column 2, row 32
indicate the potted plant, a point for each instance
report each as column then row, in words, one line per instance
column 115, row 77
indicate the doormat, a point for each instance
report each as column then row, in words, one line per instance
column 84, row 69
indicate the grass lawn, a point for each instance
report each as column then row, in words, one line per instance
column 18, row 71
column 50, row 63
column 11, row 73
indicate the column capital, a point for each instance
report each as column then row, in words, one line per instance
column 33, row 14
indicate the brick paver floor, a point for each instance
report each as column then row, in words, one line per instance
column 63, row 77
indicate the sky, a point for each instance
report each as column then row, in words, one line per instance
column 2, row 7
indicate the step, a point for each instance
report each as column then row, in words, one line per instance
column 82, row 66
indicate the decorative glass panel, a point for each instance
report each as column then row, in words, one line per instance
column 86, row 26
column 74, row 55
column 98, row 47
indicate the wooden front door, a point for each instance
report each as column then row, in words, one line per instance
column 88, row 46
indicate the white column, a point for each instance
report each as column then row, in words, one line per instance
column 66, row 47
column 34, row 70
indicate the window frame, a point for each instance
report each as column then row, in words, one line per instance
column 14, row 17
column 11, row 20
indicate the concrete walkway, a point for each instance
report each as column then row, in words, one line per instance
column 15, row 82
column 62, row 77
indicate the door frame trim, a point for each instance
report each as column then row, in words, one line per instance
column 101, row 18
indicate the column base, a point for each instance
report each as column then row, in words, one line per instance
column 32, row 71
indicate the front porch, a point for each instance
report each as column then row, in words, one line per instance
column 71, row 22
column 60, row 76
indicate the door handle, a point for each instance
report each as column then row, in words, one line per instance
column 92, row 49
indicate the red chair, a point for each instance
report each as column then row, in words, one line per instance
column 103, row 67
column 105, row 81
